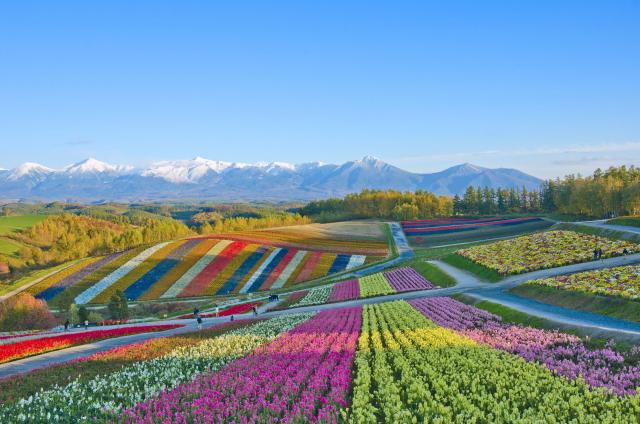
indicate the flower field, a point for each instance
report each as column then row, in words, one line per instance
column 383, row 283
column 427, row 360
column 454, row 225
column 232, row 310
column 621, row 281
column 193, row 268
column 543, row 250
column 24, row 348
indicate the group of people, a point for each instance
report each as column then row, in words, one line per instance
column 597, row 253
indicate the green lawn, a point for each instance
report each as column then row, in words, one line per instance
column 474, row 268
column 615, row 307
column 9, row 224
column 630, row 221
column 8, row 246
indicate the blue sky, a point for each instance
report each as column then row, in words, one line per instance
column 547, row 87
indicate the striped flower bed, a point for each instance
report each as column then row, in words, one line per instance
column 109, row 280
column 422, row 228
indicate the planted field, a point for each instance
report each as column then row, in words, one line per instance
column 11, row 224
column 383, row 283
column 621, row 282
column 23, row 348
column 543, row 250
column 429, row 360
column 192, row 268
column 444, row 231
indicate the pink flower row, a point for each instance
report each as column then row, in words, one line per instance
column 302, row 376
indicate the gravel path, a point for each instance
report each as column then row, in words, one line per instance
column 603, row 224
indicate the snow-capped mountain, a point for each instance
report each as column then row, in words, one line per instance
column 200, row 178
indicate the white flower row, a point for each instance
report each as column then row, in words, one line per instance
column 102, row 397
column 316, row 296
column 90, row 293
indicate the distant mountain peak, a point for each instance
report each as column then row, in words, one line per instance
column 201, row 178
column 29, row 169
column 94, row 166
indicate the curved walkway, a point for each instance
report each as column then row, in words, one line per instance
column 602, row 223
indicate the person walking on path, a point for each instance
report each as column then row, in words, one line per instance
column 600, row 253
column 255, row 311
column 595, row 254
column 66, row 325
column 199, row 321
column 196, row 312
column 86, row 324
column 217, row 311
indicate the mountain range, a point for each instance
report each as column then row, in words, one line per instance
column 204, row 179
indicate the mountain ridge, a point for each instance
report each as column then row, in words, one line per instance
column 200, row 178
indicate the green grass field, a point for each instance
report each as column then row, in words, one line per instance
column 630, row 221
column 9, row 224
column 474, row 268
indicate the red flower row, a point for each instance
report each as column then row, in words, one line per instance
column 25, row 348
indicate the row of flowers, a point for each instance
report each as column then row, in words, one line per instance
column 102, row 397
column 232, row 310
column 544, row 250
column 25, row 348
column 420, row 230
column 621, row 281
column 410, row 370
column 561, row 353
column 302, row 376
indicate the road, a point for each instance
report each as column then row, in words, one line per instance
column 602, row 223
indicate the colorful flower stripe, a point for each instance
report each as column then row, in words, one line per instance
column 301, row 267
column 25, row 348
column 302, row 376
column 407, row 279
column 109, row 280
column 274, row 260
column 309, row 265
column 288, row 240
column 426, row 223
column 286, row 273
column 144, row 283
column 562, row 353
column 549, row 249
column 467, row 227
column 241, row 272
column 262, row 270
column 409, row 370
column 214, row 248
column 375, row 285
column 101, row 398
column 226, row 265
column 322, row 267
column 202, row 281
column 356, row 261
column 339, row 264
column 277, row 271
column 621, row 281
column 54, row 285
column 137, row 272
column 345, row 290
column 102, row 272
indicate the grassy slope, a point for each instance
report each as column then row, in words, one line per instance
column 602, row 232
column 10, row 224
column 474, row 268
column 630, row 221
column 604, row 305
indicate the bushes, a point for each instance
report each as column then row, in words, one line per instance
column 24, row 312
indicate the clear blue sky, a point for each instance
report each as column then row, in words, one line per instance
column 547, row 87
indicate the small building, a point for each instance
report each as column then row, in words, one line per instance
column 4, row 269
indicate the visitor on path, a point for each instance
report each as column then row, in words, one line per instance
column 196, row 312
column 595, row 254
column 199, row 321
column 217, row 312
column 231, row 318
column 255, row 311
column 86, row 324
column 625, row 251
column 66, row 325
column 599, row 253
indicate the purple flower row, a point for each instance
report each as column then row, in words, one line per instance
column 345, row 290
column 560, row 352
column 302, row 376
column 407, row 279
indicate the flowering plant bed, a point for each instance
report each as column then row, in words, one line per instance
column 26, row 348
column 232, row 310
column 543, row 250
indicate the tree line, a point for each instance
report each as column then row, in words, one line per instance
column 388, row 204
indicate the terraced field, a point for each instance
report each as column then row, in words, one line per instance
column 208, row 266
